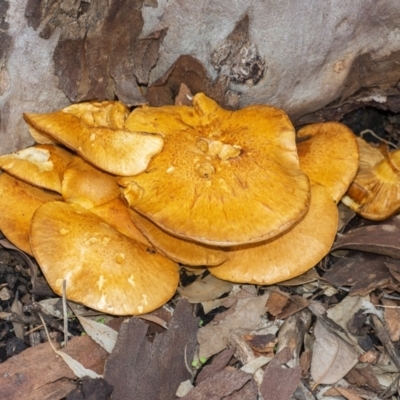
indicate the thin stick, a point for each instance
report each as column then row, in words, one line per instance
column 372, row 133
column 384, row 337
column 65, row 312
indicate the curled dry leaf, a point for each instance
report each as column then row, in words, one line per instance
column 332, row 357
column 372, row 272
column 381, row 238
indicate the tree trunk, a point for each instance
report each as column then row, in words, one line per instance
column 296, row 55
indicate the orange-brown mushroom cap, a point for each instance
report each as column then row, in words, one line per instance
column 103, row 268
column 94, row 131
column 177, row 249
column 328, row 154
column 18, row 202
column 290, row 254
column 117, row 214
column 223, row 177
column 375, row 190
column 41, row 165
column 88, row 186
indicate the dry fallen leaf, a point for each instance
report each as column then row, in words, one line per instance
column 371, row 272
column 332, row 357
column 16, row 307
column 206, row 289
column 246, row 315
column 381, row 238
column 102, row 334
column 308, row 277
column 345, row 216
column 276, row 303
column 348, row 393
column 342, row 312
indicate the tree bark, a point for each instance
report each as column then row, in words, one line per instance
column 299, row 56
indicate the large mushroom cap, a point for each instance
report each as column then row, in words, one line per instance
column 177, row 249
column 291, row 253
column 95, row 132
column 18, row 202
column 328, row 154
column 375, row 190
column 41, row 165
column 223, row 177
column 103, row 268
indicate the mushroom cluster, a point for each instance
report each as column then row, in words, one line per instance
column 115, row 200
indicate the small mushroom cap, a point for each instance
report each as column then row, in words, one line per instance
column 87, row 186
column 18, row 202
column 177, row 249
column 375, row 190
column 328, row 154
column 117, row 214
column 41, row 165
column 103, row 268
column 223, row 177
column 289, row 255
column 95, row 132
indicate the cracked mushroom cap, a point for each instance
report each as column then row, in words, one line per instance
column 375, row 191
column 87, row 186
column 18, row 202
column 41, row 165
column 328, row 154
column 178, row 249
column 104, row 269
column 291, row 253
column 95, row 131
column 223, row 177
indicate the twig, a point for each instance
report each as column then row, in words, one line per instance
column 388, row 391
column 65, row 312
column 372, row 133
column 384, row 337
